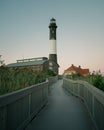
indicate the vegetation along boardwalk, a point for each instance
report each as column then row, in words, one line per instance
column 63, row 112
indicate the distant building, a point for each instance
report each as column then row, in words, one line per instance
column 42, row 63
column 35, row 64
column 76, row 70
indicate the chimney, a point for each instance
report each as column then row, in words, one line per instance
column 72, row 64
column 79, row 66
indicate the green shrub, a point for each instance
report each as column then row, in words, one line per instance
column 98, row 81
column 49, row 73
column 11, row 80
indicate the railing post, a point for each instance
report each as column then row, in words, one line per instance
column 29, row 105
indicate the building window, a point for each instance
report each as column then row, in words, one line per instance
column 50, row 63
column 50, row 68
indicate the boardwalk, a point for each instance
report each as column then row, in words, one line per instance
column 63, row 112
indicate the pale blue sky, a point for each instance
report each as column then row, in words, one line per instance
column 24, row 31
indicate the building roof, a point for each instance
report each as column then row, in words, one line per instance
column 53, row 19
column 28, row 62
column 77, row 70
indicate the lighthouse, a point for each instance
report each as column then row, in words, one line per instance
column 52, row 40
column 53, row 65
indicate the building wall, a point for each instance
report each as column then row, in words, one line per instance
column 53, row 66
column 70, row 72
column 42, row 67
column 34, row 68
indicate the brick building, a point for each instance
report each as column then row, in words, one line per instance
column 76, row 70
column 35, row 64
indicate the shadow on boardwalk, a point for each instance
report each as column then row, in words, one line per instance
column 63, row 112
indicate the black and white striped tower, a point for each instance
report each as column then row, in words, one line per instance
column 52, row 39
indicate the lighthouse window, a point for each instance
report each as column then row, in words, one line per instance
column 50, row 63
column 52, row 21
column 52, row 31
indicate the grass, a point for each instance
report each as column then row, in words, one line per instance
column 12, row 80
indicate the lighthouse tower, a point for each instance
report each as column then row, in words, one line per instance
column 52, row 40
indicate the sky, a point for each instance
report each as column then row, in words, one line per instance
column 24, row 31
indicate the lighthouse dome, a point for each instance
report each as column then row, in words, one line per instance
column 53, row 20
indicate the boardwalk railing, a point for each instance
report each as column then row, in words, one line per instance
column 93, row 98
column 18, row 108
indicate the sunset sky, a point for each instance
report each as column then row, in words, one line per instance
column 24, row 31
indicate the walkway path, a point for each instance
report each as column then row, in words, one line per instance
column 63, row 112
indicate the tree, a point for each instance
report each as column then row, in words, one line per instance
column 1, row 61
